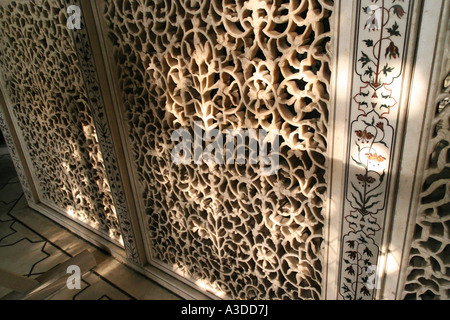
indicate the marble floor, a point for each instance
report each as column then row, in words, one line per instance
column 31, row 244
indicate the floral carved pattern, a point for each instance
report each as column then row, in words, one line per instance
column 229, row 65
column 380, row 50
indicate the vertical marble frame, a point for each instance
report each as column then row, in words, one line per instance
column 104, row 122
column 405, row 150
column 384, row 49
column 348, row 50
column 343, row 43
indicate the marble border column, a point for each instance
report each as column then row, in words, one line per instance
column 100, row 104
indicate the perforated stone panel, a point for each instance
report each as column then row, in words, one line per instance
column 44, row 86
column 230, row 65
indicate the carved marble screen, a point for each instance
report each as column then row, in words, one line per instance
column 45, row 93
column 228, row 65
